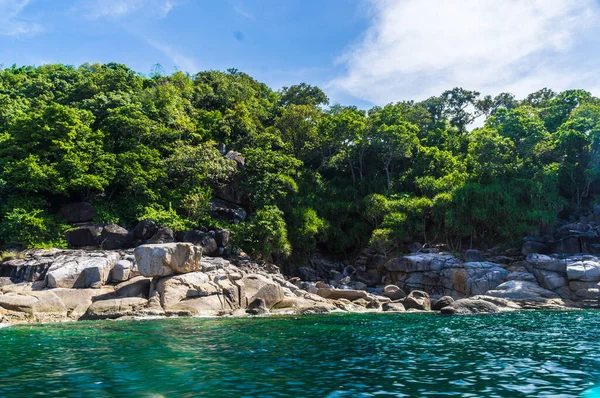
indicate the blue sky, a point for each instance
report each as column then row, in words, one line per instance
column 360, row 52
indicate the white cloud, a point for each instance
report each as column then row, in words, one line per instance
column 11, row 24
column 240, row 11
column 115, row 9
column 181, row 61
column 418, row 48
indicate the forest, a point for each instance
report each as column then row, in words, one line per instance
column 315, row 175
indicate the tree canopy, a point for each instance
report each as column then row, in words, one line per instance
column 316, row 175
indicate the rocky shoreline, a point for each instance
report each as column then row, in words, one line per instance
column 176, row 279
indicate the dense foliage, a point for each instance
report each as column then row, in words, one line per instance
column 333, row 177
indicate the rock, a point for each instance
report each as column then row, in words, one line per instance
column 176, row 288
column 145, row 229
column 168, row 258
column 227, row 211
column 115, row 237
column 315, row 310
column 42, row 306
column 115, row 308
column 421, row 263
column 84, row 236
column 336, row 294
column 121, row 271
column 547, row 263
column 257, row 307
column 583, row 268
column 534, row 247
column 393, row 307
column 163, row 235
column 77, row 212
column 418, row 300
column 550, row 280
column 470, row 306
column 441, row 303
column 199, row 238
column 81, row 271
column 521, row 290
column 222, row 237
column 360, row 286
column 594, row 248
column 503, row 304
column 393, row 292
column 259, row 286
column 473, row 255
column 135, row 287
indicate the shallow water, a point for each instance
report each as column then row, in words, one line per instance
column 506, row 355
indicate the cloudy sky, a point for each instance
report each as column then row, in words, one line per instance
column 361, row 52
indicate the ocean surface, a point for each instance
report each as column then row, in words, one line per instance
column 507, row 355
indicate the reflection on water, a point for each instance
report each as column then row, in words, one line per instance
column 507, row 355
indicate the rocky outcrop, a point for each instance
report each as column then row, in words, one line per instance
column 417, row 300
column 74, row 270
column 470, row 306
column 444, row 274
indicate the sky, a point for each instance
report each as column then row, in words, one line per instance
column 360, row 52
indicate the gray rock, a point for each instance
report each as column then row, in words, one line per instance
column 597, row 214
column 81, row 271
column 547, row 263
column 521, row 290
column 257, row 307
column 469, row 306
column 167, row 259
column 583, row 268
column 121, row 271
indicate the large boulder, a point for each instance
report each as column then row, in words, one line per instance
column 583, row 268
column 77, row 212
column 547, row 263
column 174, row 289
column 521, row 290
column 168, row 259
column 84, row 236
column 418, row 300
column 470, row 306
column 163, row 235
column 259, row 286
column 115, row 237
column 81, row 270
column 145, row 229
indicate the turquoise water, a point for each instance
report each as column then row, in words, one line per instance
column 506, row 355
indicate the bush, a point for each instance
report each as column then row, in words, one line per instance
column 32, row 229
